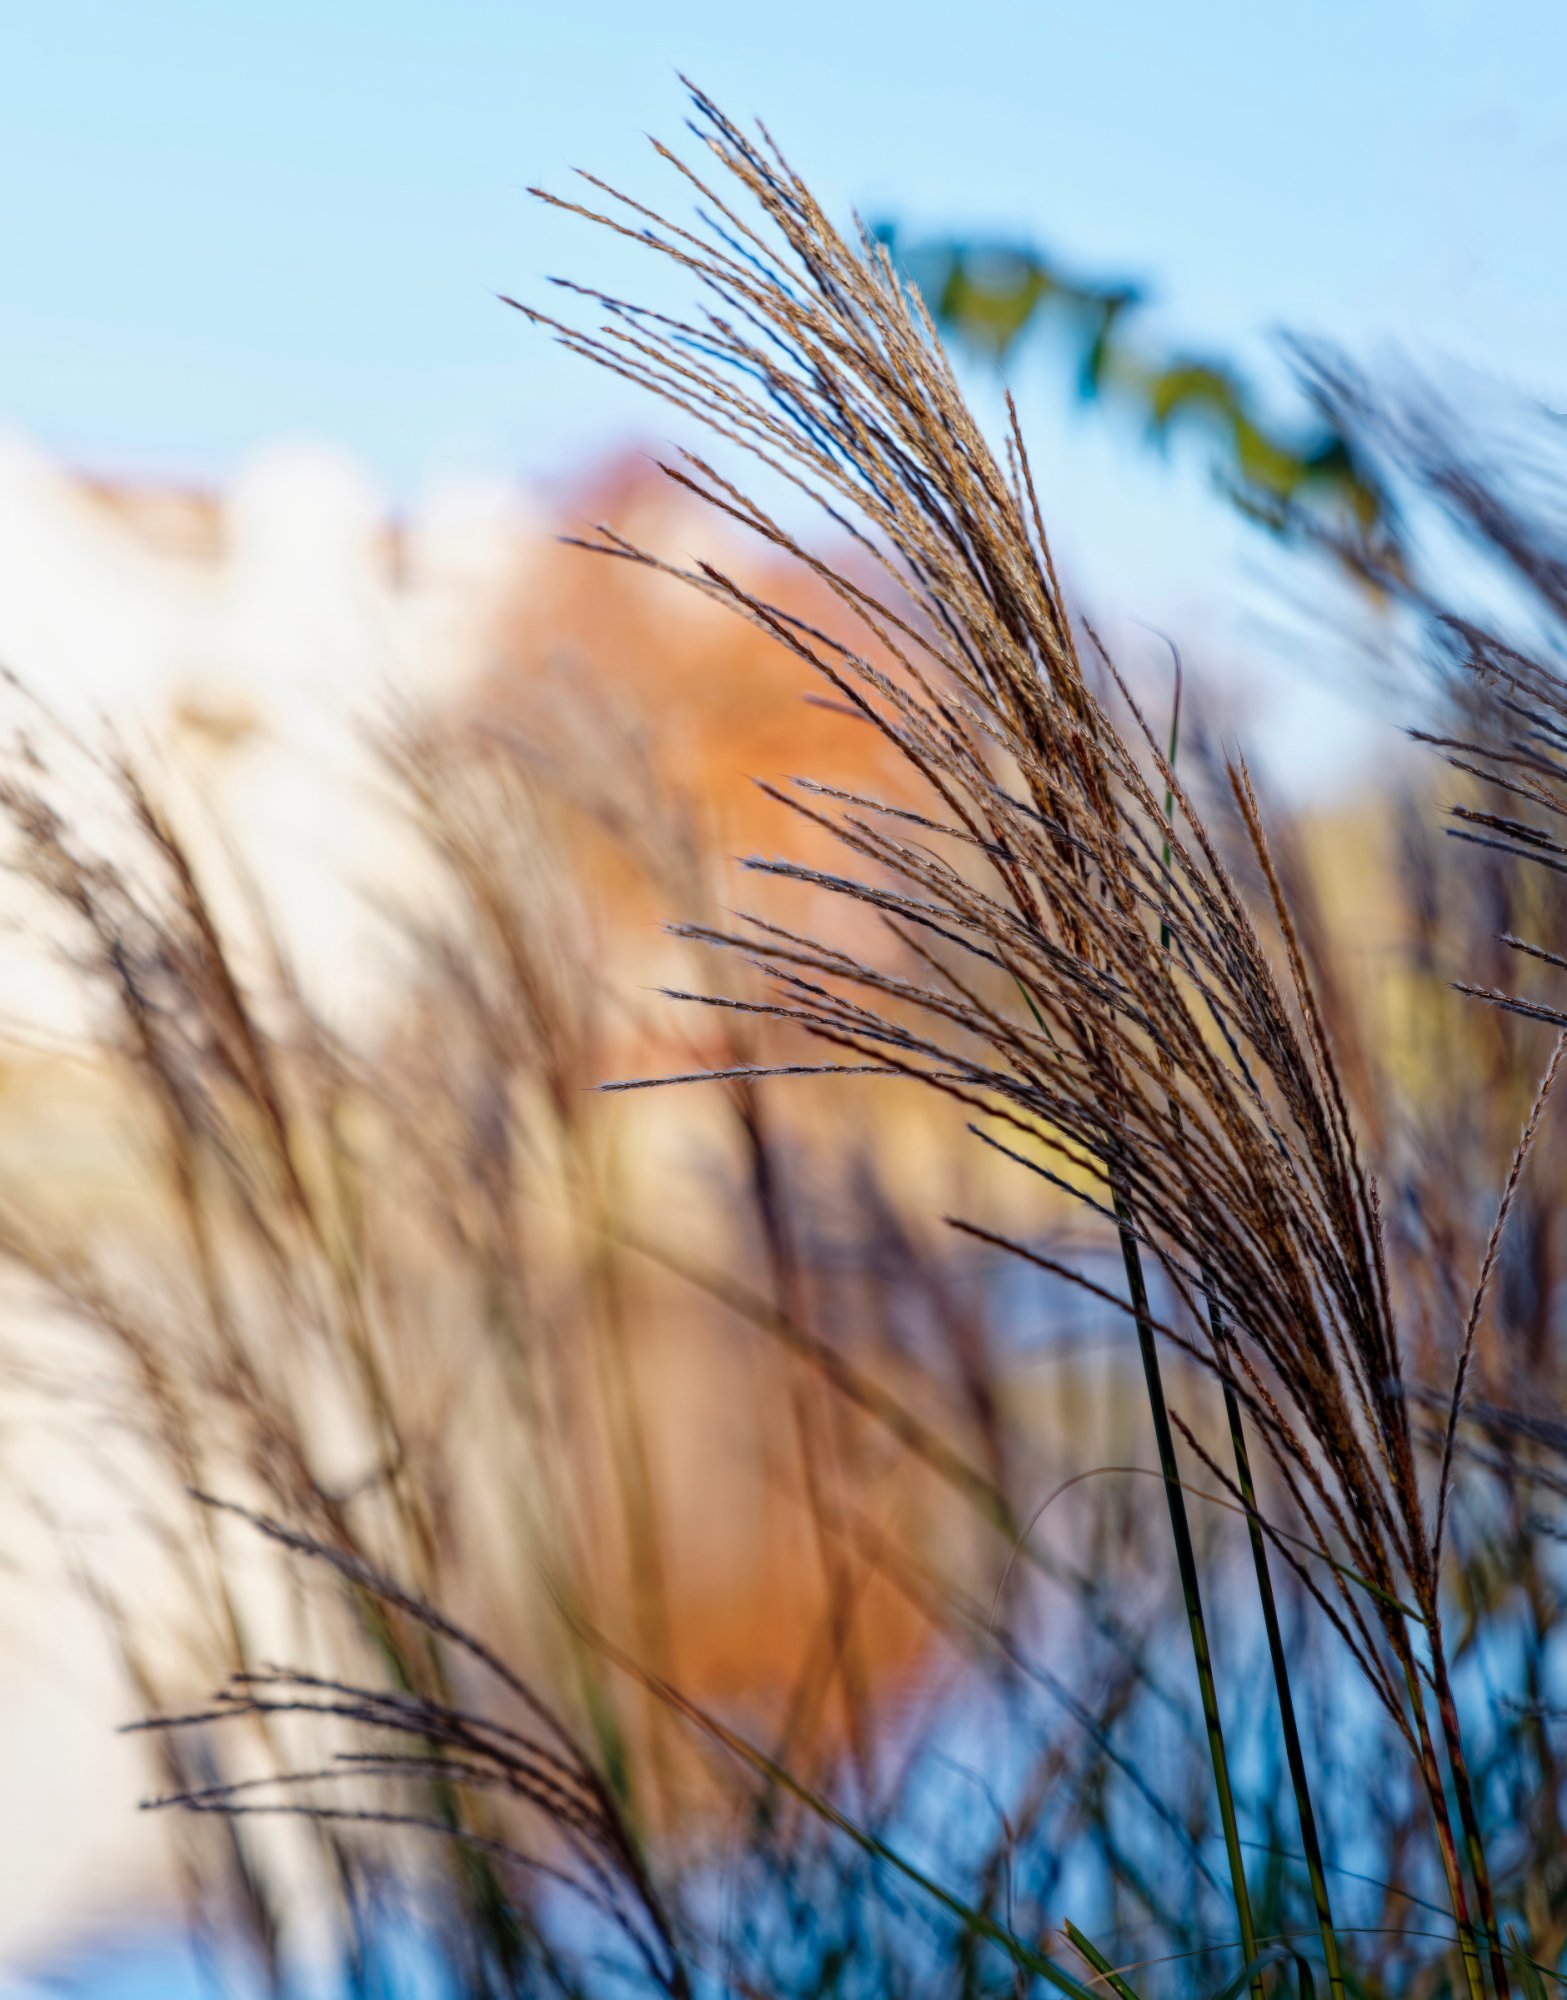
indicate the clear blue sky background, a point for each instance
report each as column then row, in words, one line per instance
column 226, row 222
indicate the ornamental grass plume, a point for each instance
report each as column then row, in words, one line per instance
column 1065, row 958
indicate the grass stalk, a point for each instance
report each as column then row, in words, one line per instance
column 1180, row 1528
column 1468, row 1816
column 1289, row 1728
column 1446, row 1844
column 1191, row 1592
column 1088, row 1950
column 1295, row 1755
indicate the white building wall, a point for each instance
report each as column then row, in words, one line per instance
column 241, row 654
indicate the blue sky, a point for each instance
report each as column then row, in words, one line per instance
column 226, row 223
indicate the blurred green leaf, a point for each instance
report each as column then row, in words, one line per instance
column 989, row 295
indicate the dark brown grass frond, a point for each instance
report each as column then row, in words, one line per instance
column 1482, row 1285
column 1201, row 1089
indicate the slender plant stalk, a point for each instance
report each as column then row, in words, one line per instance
column 1469, row 1819
column 1295, row 1755
column 1185, row 1555
column 1447, row 1707
column 1186, row 1562
column 1310, row 1842
column 1446, row 1844
column 1096, row 1958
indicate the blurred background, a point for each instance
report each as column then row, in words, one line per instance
column 277, row 464
column 232, row 233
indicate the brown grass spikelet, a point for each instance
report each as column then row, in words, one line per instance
column 1197, row 1081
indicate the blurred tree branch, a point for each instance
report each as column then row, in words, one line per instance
column 989, row 294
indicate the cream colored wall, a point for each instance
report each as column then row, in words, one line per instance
column 244, row 665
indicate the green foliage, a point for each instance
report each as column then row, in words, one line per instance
column 990, row 295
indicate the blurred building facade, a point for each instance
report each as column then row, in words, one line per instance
column 240, row 642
